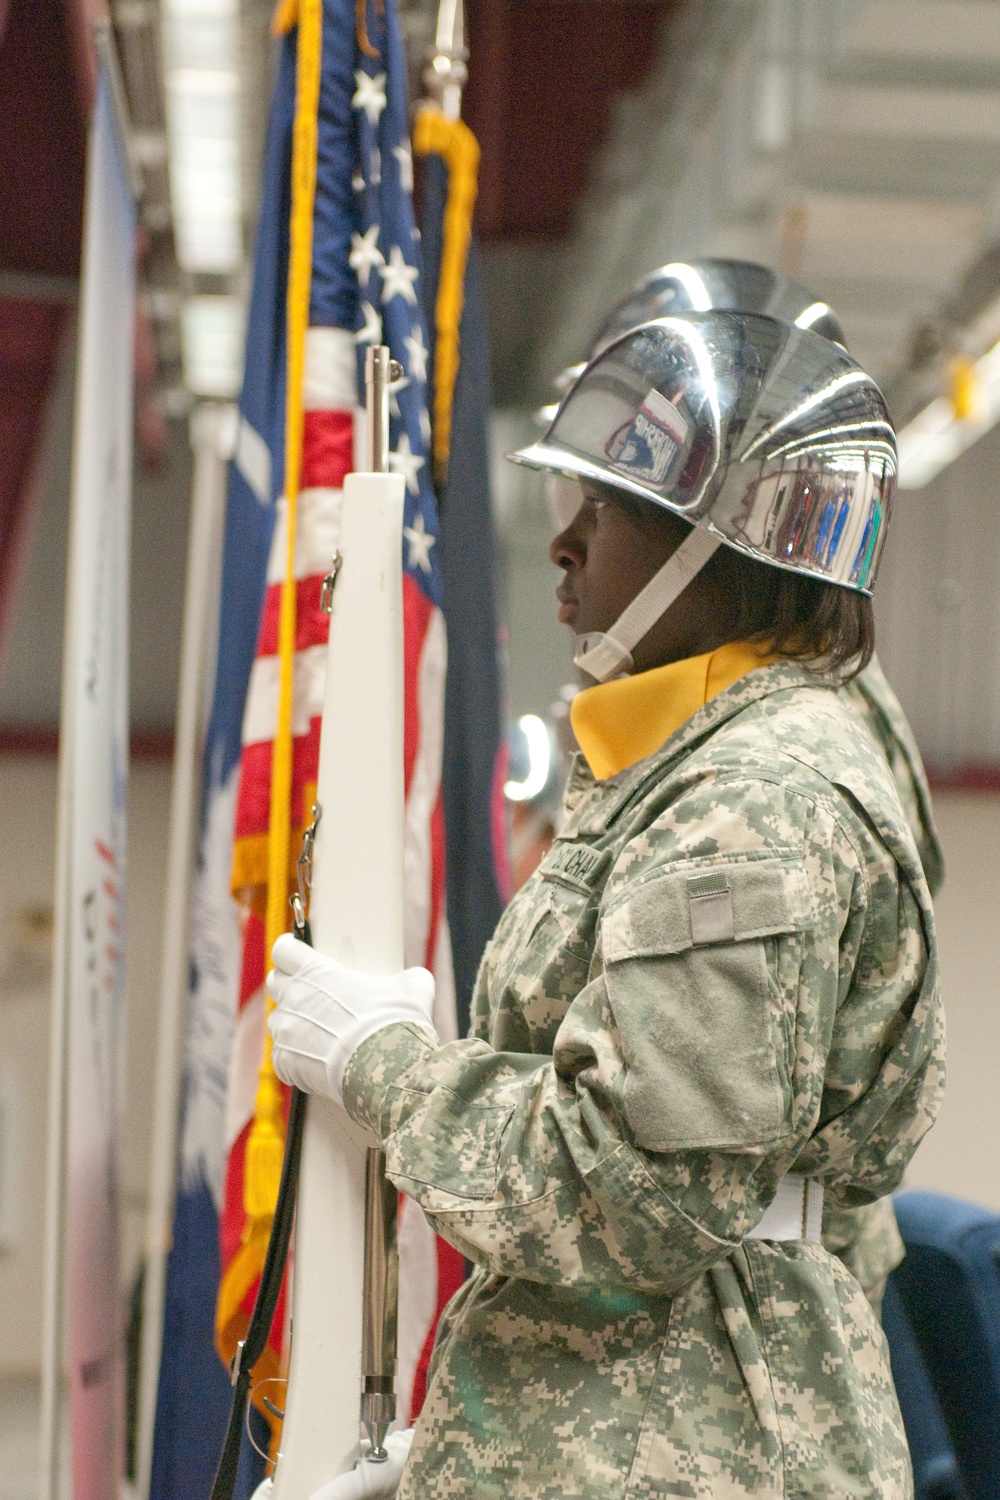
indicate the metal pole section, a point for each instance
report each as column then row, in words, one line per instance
column 447, row 72
column 381, row 1301
column 380, row 371
column 380, row 1297
column 213, row 432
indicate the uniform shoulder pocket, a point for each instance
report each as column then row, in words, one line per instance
column 686, row 953
column 699, row 903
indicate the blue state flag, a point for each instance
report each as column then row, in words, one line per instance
column 194, row 1391
column 476, row 863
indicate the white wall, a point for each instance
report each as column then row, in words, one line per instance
column 27, row 836
column 961, row 1155
column 938, row 609
column 30, row 657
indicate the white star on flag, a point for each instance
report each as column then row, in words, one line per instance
column 365, row 255
column 405, row 461
column 421, row 543
column 371, row 333
column 358, row 182
column 417, row 350
column 398, row 278
column 404, row 156
column 425, row 426
column 375, row 174
column 370, row 95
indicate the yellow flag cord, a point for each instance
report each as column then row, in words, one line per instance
column 262, row 1164
column 452, row 140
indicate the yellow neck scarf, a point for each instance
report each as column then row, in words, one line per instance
column 618, row 723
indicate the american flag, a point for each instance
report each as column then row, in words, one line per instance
column 364, row 291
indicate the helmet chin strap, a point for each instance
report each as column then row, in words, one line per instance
column 607, row 654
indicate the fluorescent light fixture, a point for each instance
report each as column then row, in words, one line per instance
column 936, row 437
column 212, row 329
column 539, row 761
column 201, row 50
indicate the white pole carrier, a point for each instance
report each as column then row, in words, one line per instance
column 343, row 1300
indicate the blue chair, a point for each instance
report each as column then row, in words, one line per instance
column 935, row 1472
column 948, row 1288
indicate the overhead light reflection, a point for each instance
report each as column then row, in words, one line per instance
column 812, row 314
column 539, row 761
column 842, row 382
column 840, row 431
column 691, row 282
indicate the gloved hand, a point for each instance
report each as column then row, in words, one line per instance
column 325, row 1011
column 366, row 1481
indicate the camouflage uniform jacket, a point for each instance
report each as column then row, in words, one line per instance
column 871, row 696
column 867, row 1239
column 723, row 970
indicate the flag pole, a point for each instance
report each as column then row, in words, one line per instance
column 446, row 75
column 213, row 432
column 439, row 129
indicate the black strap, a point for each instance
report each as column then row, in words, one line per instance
column 253, row 1346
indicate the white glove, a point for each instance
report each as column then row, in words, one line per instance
column 325, row 1011
column 366, row 1481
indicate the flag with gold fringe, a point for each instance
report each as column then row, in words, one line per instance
column 352, row 280
column 194, row 1393
column 479, row 882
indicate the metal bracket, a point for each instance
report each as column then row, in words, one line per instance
column 326, row 587
column 299, row 902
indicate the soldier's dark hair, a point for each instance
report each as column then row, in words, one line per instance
column 821, row 624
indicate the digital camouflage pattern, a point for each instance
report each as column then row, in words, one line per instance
column 867, row 1239
column 725, row 969
column 872, row 698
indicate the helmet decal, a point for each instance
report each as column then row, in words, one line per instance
column 648, row 446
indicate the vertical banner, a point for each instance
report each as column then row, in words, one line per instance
column 213, row 434
column 85, row 1307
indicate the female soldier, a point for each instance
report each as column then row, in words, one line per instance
column 714, row 1003
column 866, row 1238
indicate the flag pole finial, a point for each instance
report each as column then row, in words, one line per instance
column 445, row 77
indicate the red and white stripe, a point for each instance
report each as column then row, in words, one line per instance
column 429, row 1270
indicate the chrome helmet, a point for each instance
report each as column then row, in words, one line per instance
column 692, row 286
column 730, row 285
column 763, row 434
column 702, row 286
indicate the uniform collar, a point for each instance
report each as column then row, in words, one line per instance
column 619, row 723
column 591, row 806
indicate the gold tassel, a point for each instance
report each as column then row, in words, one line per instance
column 265, row 1144
column 452, row 140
